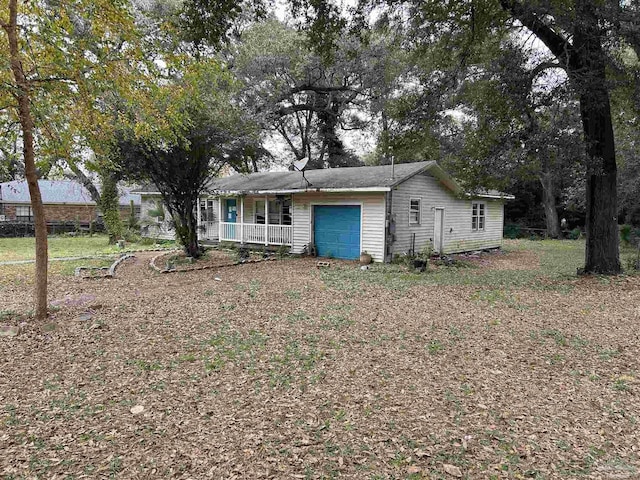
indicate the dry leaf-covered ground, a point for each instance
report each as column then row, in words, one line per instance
column 281, row 370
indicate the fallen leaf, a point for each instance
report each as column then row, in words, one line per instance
column 452, row 470
column 137, row 409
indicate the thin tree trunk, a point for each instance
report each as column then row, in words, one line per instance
column 22, row 94
column 549, row 205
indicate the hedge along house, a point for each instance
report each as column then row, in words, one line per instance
column 63, row 201
column 383, row 210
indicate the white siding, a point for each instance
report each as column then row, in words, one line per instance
column 457, row 233
column 373, row 218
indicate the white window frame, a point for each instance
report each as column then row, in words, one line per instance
column 478, row 218
column 20, row 210
column 258, row 210
column 419, row 212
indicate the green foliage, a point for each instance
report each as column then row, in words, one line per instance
column 512, row 231
column 132, row 221
column 283, row 251
column 158, row 211
column 110, row 206
column 203, row 133
column 627, row 234
column 575, row 234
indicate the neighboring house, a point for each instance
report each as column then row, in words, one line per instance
column 63, row 200
column 383, row 210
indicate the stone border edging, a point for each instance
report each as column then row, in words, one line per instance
column 110, row 271
column 153, row 265
column 152, row 262
column 116, row 264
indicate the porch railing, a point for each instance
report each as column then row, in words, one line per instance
column 255, row 233
column 209, row 230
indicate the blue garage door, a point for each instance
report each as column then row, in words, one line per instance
column 336, row 231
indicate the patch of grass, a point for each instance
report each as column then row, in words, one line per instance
column 557, row 336
column 559, row 261
column 332, row 321
column 254, row 287
column 293, row 294
column 297, row 316
column 65, row 246
column 232, row 346
column 434, row 347
column 24, row 274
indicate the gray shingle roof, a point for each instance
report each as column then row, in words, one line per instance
column 347, row 178
column 57, row 191
column 376, row 178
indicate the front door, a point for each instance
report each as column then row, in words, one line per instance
column 231, row 215
column 231, row 210
column 438, row 226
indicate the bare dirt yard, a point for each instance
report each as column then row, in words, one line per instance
column 503, row 366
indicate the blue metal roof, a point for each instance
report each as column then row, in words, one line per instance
column 57, row 191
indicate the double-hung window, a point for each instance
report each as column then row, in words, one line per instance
column 207, row 211
column 477, row 216
column 279, row 212
column 414, row 211
column 24, row 213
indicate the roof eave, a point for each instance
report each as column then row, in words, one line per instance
column 289, row 191
column 495, row 197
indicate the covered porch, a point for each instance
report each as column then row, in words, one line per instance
column 263, row 220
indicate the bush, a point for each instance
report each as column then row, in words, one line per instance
column 147, row 241
column 626, row 233
column 283, row 251
column 575, row 234
column 512, row 231
column 131, row 236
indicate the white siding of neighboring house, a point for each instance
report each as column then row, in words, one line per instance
column 458, row 235
column 150, row 226
column 372, row 212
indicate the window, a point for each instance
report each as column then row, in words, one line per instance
column 207, row 212
column 24, row 213
column 414, row 211
column 259, row 211
column 279, row 211
column 477, row 216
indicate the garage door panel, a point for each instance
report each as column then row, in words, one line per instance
column 337, row 230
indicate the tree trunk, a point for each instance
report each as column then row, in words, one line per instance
column 186, row 225
column 110, row 206
column 549, row 205
column 586, row 67
column 22, row 95
column 587, row 71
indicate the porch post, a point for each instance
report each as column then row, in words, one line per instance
column 242, row 219
column 198, row 218
column 219, row 219
column 266, row 220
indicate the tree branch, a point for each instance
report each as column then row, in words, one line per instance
column 559, row 46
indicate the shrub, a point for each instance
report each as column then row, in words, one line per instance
column 512, row 231
column 626, row 233
column 283, row 251
column 228, row 245
column 575, row 234
column 132, row 221
column 147, row 241
column 131, row 236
